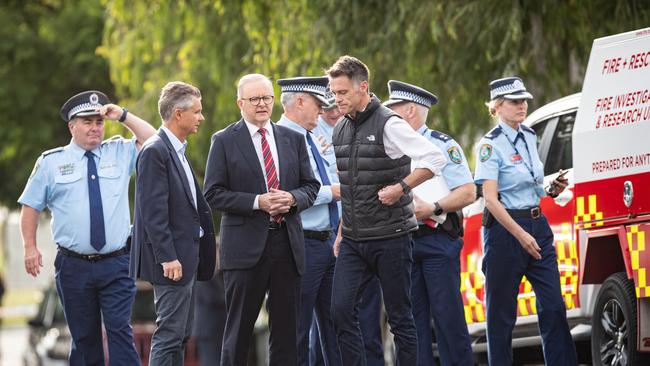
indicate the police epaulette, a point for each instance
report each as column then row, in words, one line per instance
column 52, row 151
column 528, row 129
column 440, row 136
column 111, row 139
column 493, row 133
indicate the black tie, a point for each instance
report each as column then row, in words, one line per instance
column 97, row 233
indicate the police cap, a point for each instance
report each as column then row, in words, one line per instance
column 83, row 104
column 509, row 88
column 316, row 86
column 400, row 92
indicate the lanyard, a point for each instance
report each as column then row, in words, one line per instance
column 529, row 168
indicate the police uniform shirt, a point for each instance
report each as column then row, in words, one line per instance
column 456, row 171
column 400, row 140
column 317, row 217
column 324, row 130
column 513, row 163
column 59, row 182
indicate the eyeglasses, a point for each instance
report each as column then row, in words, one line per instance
column 267, row 99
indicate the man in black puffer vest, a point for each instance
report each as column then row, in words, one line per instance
column 374, row 148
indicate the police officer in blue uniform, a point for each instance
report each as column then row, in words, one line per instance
column 518, row 239
column 85, row 186
column 302, row 99
column 435, row 276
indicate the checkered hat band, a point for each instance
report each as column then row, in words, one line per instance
column 81, row 108
column 505, row 90
column 404, row 95
column 306, row 88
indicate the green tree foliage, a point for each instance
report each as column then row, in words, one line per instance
column 453, row 48
column 47, row 54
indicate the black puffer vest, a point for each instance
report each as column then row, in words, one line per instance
column 364, row 169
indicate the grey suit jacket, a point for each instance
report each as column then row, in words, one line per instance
column 233, row 178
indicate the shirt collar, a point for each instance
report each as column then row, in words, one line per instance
column 78, row 152
column 422, row 129
column 178, row 146
column 510, row 132
column 252, row 129
column 285, row 121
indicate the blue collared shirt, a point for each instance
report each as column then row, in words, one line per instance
column 317, row 217
column 326, row 131
column 59, row 182
column 514, row 163
column 456, row 171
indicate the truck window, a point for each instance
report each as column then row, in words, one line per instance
column 539, row 130
column 560, row 151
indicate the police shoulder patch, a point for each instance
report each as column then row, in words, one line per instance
column 485, row 152
column 527, row 129
column 440, row 136
column 494, row 133
column 52, row 151
column 454, row 155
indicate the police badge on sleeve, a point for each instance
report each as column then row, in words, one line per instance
column 485, row 152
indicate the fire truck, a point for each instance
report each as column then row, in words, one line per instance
column 601, row 222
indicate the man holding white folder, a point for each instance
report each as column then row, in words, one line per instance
column 435, row 274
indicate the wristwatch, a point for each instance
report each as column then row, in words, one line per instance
column 438, row 211
column 405, row 187
column 123, row 116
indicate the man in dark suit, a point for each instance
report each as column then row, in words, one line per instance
column 259, row 176
column 174, row 240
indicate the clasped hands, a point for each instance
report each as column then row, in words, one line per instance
column 276, row 202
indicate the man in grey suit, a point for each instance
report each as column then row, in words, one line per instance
column 258, row 175
column 174, row 240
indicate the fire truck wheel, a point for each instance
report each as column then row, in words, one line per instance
column 613, row 325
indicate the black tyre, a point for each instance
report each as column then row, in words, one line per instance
column 613, row 331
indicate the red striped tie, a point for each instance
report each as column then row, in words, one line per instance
column 272, row 180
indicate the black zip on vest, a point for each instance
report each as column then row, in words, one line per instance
column 364, row 169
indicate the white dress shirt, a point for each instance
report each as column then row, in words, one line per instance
column 400, row 139
column 179, row 147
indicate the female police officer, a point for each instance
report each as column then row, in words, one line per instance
column 518, row 238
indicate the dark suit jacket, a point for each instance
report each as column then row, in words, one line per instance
column 166, row 222
column 233, row 178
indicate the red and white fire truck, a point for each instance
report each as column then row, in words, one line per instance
column 602, row 222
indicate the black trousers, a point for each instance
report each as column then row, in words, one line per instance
column 276, row 274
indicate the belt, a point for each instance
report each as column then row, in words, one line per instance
column 274, row 225
column 95, row 257
column 424, row 230
column 529, row 213
column 318, row 235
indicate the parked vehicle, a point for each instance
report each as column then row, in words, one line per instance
column 601, row 221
